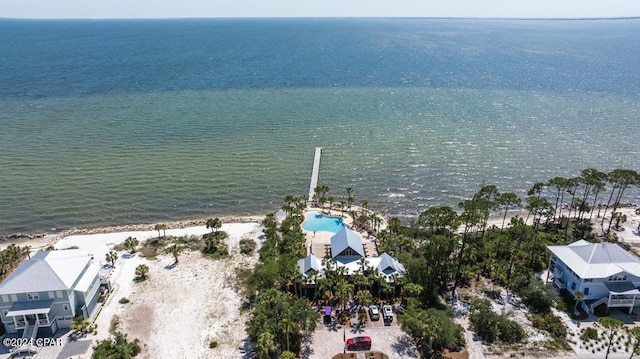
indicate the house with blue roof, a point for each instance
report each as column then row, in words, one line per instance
column 44, row 293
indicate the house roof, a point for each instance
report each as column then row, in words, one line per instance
column 386, row 265
column 389, row 265
column 88, row 278
column 46, row 271
column 26, row 308
column 344, row 239
column 306, row 264
column 597, row 260
column 622, row 288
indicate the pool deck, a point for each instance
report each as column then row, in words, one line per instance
column 315, row 172
column 318, row 242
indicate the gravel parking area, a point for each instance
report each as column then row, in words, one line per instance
column 328, row 341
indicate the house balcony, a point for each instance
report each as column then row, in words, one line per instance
column 621, row 302
column 559, row 283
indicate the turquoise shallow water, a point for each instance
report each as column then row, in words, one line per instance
column 167, row 121
column 242, row 151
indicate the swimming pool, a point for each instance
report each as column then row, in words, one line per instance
column 317, row 222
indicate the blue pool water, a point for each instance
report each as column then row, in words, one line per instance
column 317, row 222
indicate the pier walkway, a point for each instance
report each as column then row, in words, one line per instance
column 314, row 173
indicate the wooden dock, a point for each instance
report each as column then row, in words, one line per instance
column 315, row 173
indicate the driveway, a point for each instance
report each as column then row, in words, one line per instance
column 391, row 340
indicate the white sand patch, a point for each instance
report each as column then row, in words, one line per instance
column 180, row 309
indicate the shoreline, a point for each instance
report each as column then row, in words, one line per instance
column 42, row 240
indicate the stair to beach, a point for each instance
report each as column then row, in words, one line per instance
column 596, row 303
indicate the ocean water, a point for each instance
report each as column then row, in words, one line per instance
column 142, row 121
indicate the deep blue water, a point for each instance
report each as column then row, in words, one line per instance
column 107, row 122
column 42, row 58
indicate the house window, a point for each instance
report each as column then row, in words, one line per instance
column 586, row 291
column 618, row 278
column 573, row 286
column 33, row 296
column 51, row 295
column 14, row 297
column 59, row 293
column 5, row 298
column 65, row 307
column 588, row 280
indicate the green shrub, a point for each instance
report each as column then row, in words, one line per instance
column 118, row 347
column 539, row 298
column 123, row 300
column 213, row 344
column 214, row 245
column 247, row 246
column 549, row 323
column 492, row 326
column 589, row 334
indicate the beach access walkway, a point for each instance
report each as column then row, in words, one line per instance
column 315, row 173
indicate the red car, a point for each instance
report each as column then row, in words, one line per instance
column 357, row 343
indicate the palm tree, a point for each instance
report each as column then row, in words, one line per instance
column 394, row 225
column 349, row 197
column 161, row 227
column 365, row 205
column 265, row 345
column 131, row 243
column 112, row 256
column 175, row 251
column 81, row 325
column 619, row 217
column 331, row 200
column 142, row 271
column 288, row 327
column 214, row 224
column 26, row 250
column 342, row 290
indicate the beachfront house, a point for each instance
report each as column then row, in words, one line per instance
column 346, row 250
column 604, row 272
column 44, row 293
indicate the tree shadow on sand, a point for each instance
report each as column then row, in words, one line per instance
column 306, row 351
column 405, row 346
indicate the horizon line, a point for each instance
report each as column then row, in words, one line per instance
column 335, row 17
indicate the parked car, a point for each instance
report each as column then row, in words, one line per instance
column 357, row 343
column 374, row 313
column 387, row 311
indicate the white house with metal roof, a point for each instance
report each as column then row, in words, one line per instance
column 44, row 293
column 347, row 251
column 604, row 272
